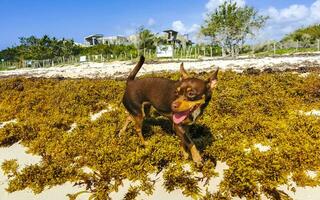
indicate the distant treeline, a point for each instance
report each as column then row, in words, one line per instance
column 33, row 48
column 308, row 34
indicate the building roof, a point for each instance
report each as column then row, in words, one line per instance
column 170, row 30
column 94, row 35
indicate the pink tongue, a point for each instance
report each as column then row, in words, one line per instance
column 179, row 117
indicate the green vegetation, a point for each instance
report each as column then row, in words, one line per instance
column 33, row 48
column 303, row 40
column 309, row 34
column 229, row 25
column 280, row 52
column 108, row 50
column 146, row 39
column 245, row 110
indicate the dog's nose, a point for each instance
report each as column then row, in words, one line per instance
column 175, row 105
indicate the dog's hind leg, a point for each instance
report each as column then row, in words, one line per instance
column 146, row 106
column 136, row 110
column 138, row 125
column 124, row 128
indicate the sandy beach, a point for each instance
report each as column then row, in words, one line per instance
column 119, row 69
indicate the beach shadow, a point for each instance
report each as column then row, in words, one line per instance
column 202, row 137
column 200, row 134
column 161, row 122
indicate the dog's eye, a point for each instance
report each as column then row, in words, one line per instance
column 191, row 94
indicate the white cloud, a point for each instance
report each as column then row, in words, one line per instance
column 282, row 21
column 315, row 10
column 183, row 29
column 179, row 26
column 151, row 22
column 192, row 30
column 213, row 4
column 286, row 20
column 292, row 13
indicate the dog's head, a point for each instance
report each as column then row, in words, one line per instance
column 192, row 96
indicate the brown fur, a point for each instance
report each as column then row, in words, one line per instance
column 168, row 97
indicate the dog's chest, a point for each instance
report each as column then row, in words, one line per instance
column 195, row 114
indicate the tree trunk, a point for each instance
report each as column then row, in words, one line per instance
column 223, row 51
column 232, row 51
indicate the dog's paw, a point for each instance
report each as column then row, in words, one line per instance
column 144, row 143
column 197, row 159
column 185, row 155
column 195, row 155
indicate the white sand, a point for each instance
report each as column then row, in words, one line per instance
column 313, row 112
column 262, row 148
column 160, row 192
column 95, row 116
column 72, row 127
column 17, row 151
column 122, row 68
column 2, row 124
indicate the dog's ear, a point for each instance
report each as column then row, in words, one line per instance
column 184, row 74
column 213, row 79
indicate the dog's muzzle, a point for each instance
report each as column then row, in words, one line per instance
column 182, row 108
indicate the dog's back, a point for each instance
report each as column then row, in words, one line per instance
column 159, row 92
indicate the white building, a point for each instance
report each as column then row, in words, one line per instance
column 92, row 40
column 169, row 37
column 116, row 40
column 96, row 39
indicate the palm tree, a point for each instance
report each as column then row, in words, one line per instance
column 145, row 39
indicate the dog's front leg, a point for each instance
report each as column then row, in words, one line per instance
column 187, row 144
column 180, row 131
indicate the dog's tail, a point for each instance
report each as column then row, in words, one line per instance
column 134, row 72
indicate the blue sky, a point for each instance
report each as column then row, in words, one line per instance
column 78, row 18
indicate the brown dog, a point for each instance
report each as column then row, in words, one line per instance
column 180, row 101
